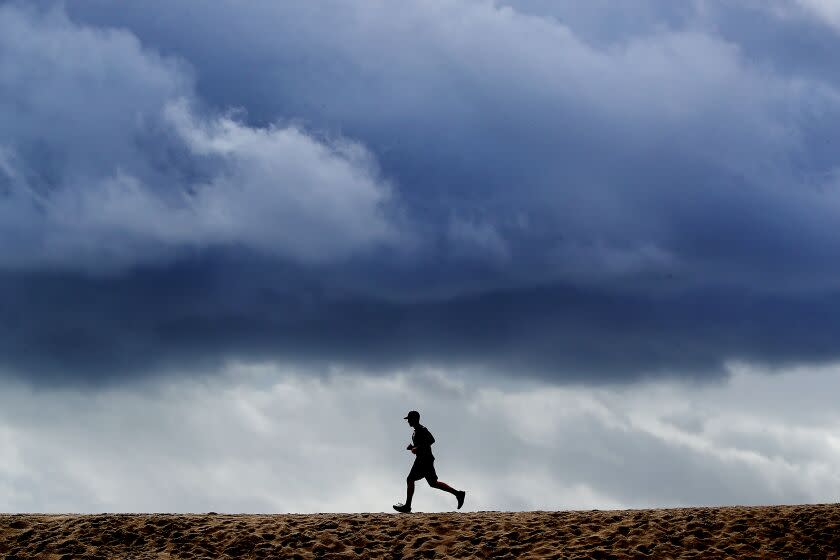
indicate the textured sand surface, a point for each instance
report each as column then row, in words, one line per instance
column 811, row 531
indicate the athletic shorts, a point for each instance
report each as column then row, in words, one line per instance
column 423, row 469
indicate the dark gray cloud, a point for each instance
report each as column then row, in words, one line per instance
column 197, row 315
column 525, row 188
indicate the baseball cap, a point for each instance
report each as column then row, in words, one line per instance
column 412, row 413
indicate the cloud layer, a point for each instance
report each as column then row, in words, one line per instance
column 264, row 439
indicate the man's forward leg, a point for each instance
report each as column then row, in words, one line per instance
column 409, row 491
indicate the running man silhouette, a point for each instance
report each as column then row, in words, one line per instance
column 424, row 464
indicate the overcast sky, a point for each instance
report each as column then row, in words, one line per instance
column 594, row 244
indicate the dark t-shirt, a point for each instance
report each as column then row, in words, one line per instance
column 422, row 439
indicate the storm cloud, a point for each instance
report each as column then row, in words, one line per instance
column 519, row 188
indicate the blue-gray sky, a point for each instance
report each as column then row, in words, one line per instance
column 590, row 195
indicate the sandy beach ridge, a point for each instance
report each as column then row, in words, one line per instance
column 790, row 531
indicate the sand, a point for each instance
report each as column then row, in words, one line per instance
column 810, row 531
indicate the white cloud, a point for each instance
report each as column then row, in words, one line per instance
column 262, row 439
column 283, row 192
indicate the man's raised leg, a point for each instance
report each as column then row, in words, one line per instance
column 460, row 494
column 443, row 486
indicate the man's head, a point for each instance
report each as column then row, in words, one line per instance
column 413, row 418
